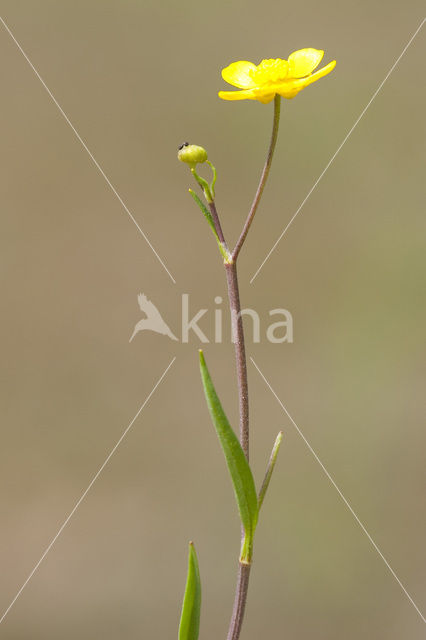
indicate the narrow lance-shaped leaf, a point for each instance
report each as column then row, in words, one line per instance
column 213, row 182
column 206, row 213
column 241, row 475
column 208, row 216
column 270, row 468
column 190, row 618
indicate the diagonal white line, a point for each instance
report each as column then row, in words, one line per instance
column 339, row 491
column 339, row 148
column 92, row 482
column 90, row 154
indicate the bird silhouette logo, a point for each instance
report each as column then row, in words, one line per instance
column 153, row 320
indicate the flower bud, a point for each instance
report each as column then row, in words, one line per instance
column 192, row 154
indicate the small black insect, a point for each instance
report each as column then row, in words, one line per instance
column 184, row 144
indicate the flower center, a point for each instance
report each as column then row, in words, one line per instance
column 270, row 71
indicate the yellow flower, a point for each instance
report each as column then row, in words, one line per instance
column 285, row 77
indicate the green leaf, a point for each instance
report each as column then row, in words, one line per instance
column 208, row 216
column 241, row 475
column 190, row 618
column 270, row 468
column 203, row 184
column 206, row 213
column 213, row 182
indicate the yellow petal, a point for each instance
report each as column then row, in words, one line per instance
column 290, row 90
column 319, row 74
column 248, row 94
column 265, row 98
column 304, row 61
column 238, row 74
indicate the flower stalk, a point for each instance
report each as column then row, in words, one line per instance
column 263, row 177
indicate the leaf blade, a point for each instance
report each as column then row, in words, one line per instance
column 189, row 626
column 206, row 213
column 238, row 466
column 208, row 216
column 270, row 468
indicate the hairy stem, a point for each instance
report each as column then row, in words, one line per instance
column 239, row 602
column 240, row 358
column 216, row 223
column 240, row 353
column 263, row 177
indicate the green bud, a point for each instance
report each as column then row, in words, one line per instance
column 192, row 154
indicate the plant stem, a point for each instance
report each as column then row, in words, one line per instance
column 240, row 354
column 263, row 177
column 216, row 223
column 240, row 358
column 240, row 602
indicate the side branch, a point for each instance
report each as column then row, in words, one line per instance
column 263, row 177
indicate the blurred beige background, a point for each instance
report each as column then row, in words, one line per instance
column 137, row 78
